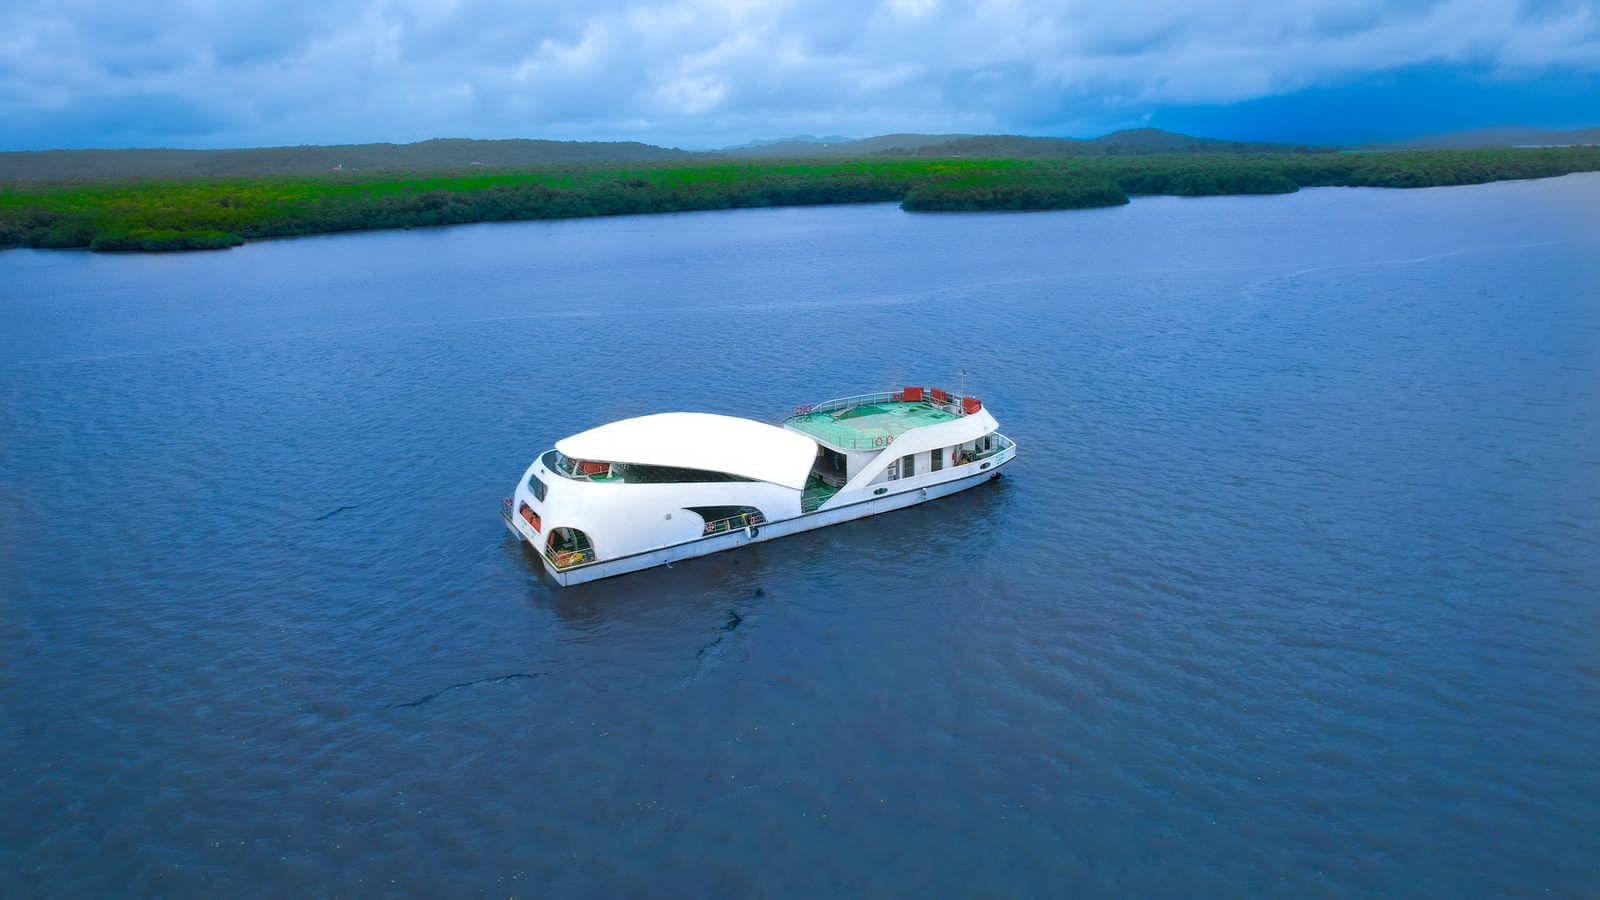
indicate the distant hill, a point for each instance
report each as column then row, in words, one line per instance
column 435, row 155
column 1505, row 136
column 796, row 139
column 1132, row 142
column 459, row 154
column 455, row 155
column 812, row 148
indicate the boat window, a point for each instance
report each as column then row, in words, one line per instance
column 936, row 461
column 638, row 474
column 536, row 487
column 593, row 470
column 531, row 517
column 559, row 462
column 894, row 470
column 908, row 465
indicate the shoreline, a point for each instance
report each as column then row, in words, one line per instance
column 141, row 216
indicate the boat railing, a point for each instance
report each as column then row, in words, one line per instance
column 953, row 405
column 847, row 439
column 1001, row 445
column 843, row 403
column 581, row 555
column 733, row 523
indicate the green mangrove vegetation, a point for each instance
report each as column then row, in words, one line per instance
column 211, row 213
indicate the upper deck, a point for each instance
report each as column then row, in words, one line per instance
column 874, row 421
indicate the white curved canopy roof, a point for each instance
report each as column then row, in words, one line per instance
column 700, row 441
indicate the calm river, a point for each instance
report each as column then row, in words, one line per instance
column 1294, row 587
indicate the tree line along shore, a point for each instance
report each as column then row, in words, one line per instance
column 214, row 213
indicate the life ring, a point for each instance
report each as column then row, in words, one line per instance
column 754, row 531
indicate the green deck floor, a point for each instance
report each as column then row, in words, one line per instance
column 870, row 426
column 817, row 492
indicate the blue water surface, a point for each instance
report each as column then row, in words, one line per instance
column 1293, row 589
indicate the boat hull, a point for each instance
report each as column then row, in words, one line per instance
column 767, row 531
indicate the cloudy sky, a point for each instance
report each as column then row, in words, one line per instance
column 701, row 73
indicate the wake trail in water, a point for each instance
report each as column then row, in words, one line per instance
column 497, row 679
column 329, row 515
column 734, row 620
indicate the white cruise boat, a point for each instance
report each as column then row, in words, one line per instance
column 655, row 489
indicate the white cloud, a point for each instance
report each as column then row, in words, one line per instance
column 254, row 71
